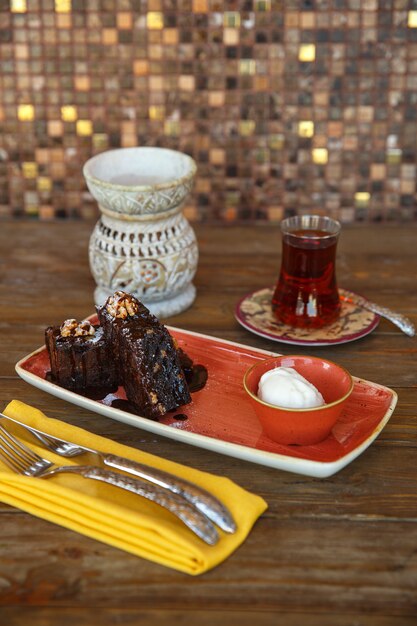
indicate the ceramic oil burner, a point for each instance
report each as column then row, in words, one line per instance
column 142, row 242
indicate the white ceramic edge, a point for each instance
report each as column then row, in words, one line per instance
column 306, row 467
column 173, row 182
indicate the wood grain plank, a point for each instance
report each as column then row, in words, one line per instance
column 64, row 616
column 369, row 565
column 67, row 616
column 339, row 551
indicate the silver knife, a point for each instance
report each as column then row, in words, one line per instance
column 201, row 499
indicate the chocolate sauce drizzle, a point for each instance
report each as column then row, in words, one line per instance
column 181, row 417
column 196, row 377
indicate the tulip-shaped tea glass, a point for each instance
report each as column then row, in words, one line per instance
column 306, row 295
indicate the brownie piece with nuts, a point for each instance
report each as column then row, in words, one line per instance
column 80, row 356
column 145, row 355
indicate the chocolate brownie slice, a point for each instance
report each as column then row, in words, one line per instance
column 80, row 356
column 145, row 355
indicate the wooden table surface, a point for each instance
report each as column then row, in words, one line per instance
column 335, row 551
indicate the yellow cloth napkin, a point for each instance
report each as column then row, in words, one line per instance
column 119, row 518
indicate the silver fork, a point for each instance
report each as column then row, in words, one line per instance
column 23, row 460
column 201, row 499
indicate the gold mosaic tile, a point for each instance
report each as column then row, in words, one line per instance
column 306, row 128
column 44, row 183
column 307, row 52
column 246, row 127
column 320, row 155
column 62, row 6
column 172, row 128
column 31, row 209
column 394, row 156
column 29, row 169
column 412, row 19
column 156, row 112
column 155, row 20
column 26, row 112
column 84, row 128
column 100, row 141
column 69, row 113
column 276, row 142
column 362, row 199
column 18, row 6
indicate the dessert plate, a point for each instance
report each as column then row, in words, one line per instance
column 254, row 313
column 220, row 417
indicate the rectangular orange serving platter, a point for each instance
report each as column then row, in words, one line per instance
column 221, row 419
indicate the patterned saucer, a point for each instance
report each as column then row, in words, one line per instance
column 254, row 313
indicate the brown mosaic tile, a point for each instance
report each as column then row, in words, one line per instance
column 286, row 107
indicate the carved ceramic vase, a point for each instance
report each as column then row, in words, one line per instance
column 142, row 242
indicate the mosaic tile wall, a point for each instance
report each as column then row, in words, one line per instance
column 287, row 106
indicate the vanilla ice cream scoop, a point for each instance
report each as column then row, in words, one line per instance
column 284, row 386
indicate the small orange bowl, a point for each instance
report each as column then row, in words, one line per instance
column 301, row 426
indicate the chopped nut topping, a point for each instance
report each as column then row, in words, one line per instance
column 122, row 305
column 163, row 353
column 72, row 328
column 161, row 408
column 156, row 368
column 154, row 397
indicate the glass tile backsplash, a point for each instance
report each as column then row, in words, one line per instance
column 287, row 107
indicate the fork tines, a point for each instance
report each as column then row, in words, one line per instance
column 15, row 454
